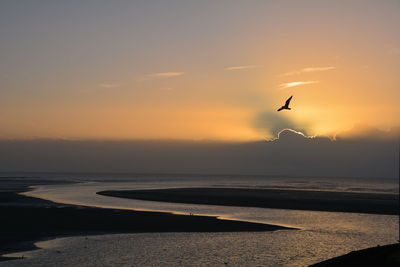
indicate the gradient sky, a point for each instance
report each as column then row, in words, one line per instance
column 196, row 69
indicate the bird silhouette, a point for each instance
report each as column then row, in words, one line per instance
column 286, row 106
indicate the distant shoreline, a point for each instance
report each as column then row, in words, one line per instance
column 372, row 203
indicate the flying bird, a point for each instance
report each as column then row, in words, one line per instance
column 286, row 106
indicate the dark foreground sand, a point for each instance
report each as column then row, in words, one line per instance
column 25, row 220
column 383, row 256
column 270, row 198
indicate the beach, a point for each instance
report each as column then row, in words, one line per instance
column 26, row 220
column 372, row 203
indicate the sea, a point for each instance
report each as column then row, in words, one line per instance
column 321, row 235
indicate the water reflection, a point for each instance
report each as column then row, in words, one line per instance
column 323, row 234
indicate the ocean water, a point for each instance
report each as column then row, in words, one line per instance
column 322, row 235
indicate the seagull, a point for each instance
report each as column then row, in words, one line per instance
column 286, row 106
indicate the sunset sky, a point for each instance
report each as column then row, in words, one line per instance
column 196, row 70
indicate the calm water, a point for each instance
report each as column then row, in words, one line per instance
column 322, row 235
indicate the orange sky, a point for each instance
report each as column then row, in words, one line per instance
column 197, row 71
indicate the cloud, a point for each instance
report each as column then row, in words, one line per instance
column 109, row 85
column 246, row 67
column 290, row 155
column 309, row 69
column 393, row 50
column 290, row 133
column 273, row 123
column 294, row 84
column 366, row 132
column 165, row 74
column 166, row 88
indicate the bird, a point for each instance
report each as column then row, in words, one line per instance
column 286, row 106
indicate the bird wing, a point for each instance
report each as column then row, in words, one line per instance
column 288, row 101
column 280, row 108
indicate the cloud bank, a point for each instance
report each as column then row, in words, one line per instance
column 290, row 155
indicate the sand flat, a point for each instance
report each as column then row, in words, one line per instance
column 372, row 203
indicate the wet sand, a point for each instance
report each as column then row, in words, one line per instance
column 26, row 220
column 270, row 198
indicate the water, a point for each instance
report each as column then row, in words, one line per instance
column 281, row 248
column 323, row 234
column 378, row 185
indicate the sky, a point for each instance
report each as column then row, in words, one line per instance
column 197, row 70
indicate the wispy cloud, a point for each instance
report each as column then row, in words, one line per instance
column 314, row 69
column 294, row 84
column 109, row 85
column 246, row 67
column 165, row 74
column 393, row 50
column 166, row 88
column 309, row 69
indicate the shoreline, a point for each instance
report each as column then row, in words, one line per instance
column 371, row 203
column 11, row 202
column 28, row 220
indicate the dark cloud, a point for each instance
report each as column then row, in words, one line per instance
column 292, row 154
